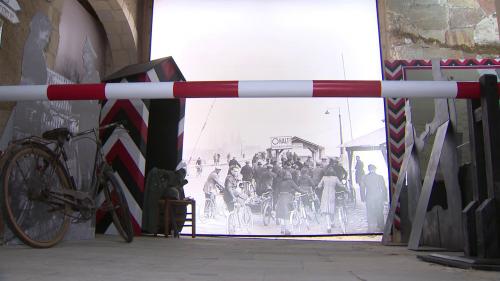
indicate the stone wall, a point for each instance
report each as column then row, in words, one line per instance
column 126, row 24
column 423, row 29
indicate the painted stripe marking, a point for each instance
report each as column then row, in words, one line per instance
column 468, row 90
column 275, row 89
column 225, row 89
column 76, row 92
column 347, row 89
column 419, row 89
column 142, row 90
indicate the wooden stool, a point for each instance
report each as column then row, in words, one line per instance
column 169, row 204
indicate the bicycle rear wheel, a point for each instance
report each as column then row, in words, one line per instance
column 247, row 218
column 267, row 213
column 33, row 185
column 232, row 222
column 209, row 209
column 115, row 197
column 342, row 212
column 295, row 221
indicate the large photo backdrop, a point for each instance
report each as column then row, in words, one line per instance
column 281, row 147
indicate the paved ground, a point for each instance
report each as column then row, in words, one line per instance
column 148, row 258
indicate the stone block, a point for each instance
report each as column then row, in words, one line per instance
column 463, row 3
column 114, row 4
column 119, row 16
column 58, row 5
column 407, row 52
column 429, row 17
column 105, row 16
column 465, row 17
column 120, row 58
column 114, row 41
column 101, row 5
column 431, row 2
column 488, row 6
column 132, row 56
column 113, row 27
column 463, row 36
column 127, row 42
column 401, row 6
column 434, row 34
column 486, row 31
column 442, row 53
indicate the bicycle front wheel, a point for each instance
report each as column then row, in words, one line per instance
column 115, row 197
column 34, row 182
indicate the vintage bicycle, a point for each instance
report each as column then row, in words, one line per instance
column 267, row 209
column 298, row 216
column 341, row 198
column 240, row 218
column 39, row 195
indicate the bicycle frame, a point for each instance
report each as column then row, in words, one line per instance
column 80, row 201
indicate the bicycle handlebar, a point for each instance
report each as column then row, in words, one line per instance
column 111, row 125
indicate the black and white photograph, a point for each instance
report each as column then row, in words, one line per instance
column 280, row 166
column 262, row 168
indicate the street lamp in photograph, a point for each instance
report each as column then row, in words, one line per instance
column 328, row 112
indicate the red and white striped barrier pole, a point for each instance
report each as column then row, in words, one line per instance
column 244, row 89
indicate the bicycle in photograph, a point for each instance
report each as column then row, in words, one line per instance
column 239, row 218
column 351, row 196
column 40, row 197
column 298, row 215
column 312, row 207
column 341, row 198
column 210, row 210
column 267, row 209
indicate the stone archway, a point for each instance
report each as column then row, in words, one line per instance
column 121, row 30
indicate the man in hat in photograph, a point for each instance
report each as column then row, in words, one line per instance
column 375, row 194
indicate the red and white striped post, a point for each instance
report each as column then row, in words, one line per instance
column 244, row 89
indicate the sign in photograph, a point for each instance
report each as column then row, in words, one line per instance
column 281, row 142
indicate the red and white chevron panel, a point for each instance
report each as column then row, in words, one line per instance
column 130, row 151
column 126, row 151
column 244, row 89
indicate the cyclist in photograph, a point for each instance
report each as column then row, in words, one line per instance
column 330, row 184
column 286, row 192
column 231, row 189
column 213, row 185
column 199, row 166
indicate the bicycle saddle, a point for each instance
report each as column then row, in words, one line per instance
column 56, row 134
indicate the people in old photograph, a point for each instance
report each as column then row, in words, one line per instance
column 286, row 192
column 330, row 184
column 359, row 174
column 212, row 187
column 312, row 190
column 232, row 194
column 283, row 177
column 375, row 196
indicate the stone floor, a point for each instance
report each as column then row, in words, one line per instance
column 150, row 258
